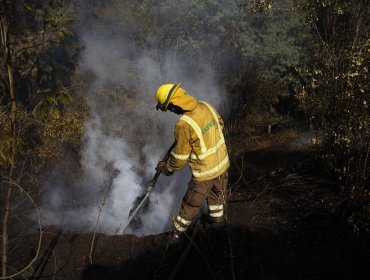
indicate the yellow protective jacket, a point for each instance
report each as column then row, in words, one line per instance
column 199, row 140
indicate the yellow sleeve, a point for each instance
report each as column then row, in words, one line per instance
column 181, row 152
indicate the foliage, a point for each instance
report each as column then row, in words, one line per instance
column 337, row 92
column 29, row 31
column 36, row 30
column 274, row 37
column 61, row 135
column 200, row 31
column 52, row 104
column 25, row 140
column 272, row 43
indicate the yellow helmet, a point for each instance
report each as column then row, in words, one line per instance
column 164, row 95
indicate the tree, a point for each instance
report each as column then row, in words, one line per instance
column 28, row 30
column 338, row 89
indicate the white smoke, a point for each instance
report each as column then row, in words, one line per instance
column 123, row 140
column 109, row 187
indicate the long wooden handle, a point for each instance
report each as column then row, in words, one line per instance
column 156, row 176
column 167, row 155
column 151, row 185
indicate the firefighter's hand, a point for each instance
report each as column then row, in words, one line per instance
column 162, row 168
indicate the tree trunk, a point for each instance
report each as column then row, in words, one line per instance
column 13, row 117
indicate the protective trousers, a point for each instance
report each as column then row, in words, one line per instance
column 213, row 190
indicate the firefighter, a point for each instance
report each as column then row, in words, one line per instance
column 200, row 143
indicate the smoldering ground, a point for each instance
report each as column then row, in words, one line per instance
column 124, row 138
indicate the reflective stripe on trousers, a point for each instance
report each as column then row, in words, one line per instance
column 216, row 211
column 181, row 224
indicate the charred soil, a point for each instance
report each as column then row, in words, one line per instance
column 294, row 228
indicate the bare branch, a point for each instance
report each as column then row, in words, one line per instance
column 29, row 265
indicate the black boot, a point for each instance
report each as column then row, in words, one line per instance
column 175, row 239
column 208, row 222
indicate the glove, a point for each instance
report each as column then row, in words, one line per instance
column 162, row 168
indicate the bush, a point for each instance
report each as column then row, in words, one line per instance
column 337, row 94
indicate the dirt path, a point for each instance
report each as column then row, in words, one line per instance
column 296, row 230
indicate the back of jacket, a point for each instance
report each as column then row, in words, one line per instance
column 200, row 142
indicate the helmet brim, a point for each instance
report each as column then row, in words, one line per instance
column 163, row 107
column 160, row 106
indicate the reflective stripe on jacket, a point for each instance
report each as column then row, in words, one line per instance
column 200, row 142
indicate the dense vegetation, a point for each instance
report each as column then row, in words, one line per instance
column 277, row 62
column 337, row 95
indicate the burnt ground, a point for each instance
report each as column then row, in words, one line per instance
column 295, row 229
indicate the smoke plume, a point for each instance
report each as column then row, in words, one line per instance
column 124, row 138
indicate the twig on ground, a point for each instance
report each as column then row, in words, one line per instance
column 237, row 181
column 229, row 240
column 18, row 237
column 55, row 265
column 245, row 182
column 111, row 177
column 29, row 265
column 182, row 259
column 231, row 256
column 258, row 196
